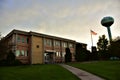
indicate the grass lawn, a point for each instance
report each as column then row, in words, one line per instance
column 36, row 72
column 109, row 70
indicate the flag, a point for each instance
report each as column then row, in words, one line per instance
column 94, row 33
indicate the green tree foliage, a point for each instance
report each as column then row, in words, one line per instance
column 68, row 55
column 102, row 43
column 81, row 53
column 102, row 46
column 3, row 50
column 10, row 58
column 7, row 57
column 0, row 36
column 114, row 48
column 94, row 53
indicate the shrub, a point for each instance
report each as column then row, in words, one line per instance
column 68, row 55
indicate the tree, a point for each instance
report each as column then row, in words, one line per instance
column 94, row 53
column 0, row 36
column 3, row 50
column 10, row 58
column 114, row 48
column 81, row 53
column 102, row 46
column 68, row 55
column 102, row 43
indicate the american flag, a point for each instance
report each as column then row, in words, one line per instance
column 93, row 33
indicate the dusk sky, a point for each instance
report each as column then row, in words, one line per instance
column 70, row 19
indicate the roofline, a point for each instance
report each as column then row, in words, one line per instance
column 14, row 31
column 39, row 34
column 49, row 36
column 81, row 43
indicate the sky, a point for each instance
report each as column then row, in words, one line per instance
column 71, row 19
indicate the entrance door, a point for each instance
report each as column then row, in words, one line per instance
column 49, row 57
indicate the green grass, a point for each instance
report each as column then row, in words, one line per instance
column 110, row 70
column 36, row 72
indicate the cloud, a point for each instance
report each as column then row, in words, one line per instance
column 68, row 19
column 20, row 16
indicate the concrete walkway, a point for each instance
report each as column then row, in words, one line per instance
column 83, row 75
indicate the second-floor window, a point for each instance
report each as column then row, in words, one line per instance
column 23, row 39
column 56, row 43
column 64, row 44
column 18, row 39
column 27, row 40
column 71, row 45
column 48, row 42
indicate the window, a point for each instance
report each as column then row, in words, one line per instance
column 71, row 45
column 56, row 43
column 18, row 38
column 22, row 53
column 58, row 54
column 63, row 54
column 23, row 40
column 27, row 40
column 17, row 52
column 26, row 53
column 48, row 42
column 64, row 44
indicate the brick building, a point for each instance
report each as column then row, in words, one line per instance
column 36, row 48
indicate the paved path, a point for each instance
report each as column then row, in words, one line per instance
column 83, row 75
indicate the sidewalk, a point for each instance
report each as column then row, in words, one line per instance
column 83, row 75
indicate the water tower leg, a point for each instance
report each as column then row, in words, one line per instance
column 109, row 33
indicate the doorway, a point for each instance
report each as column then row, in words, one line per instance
column 49, row 57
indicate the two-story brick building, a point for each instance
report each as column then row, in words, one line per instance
column 36, row 48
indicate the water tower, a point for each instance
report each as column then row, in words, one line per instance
column 107, row 22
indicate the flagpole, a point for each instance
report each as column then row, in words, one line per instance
column 91, row 38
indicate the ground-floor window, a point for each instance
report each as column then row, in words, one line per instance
column 63, row 54
column 58, row 54
column 26, row 53
column 21, row 53
column 17, row 52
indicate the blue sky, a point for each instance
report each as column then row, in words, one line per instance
column 70, row 19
